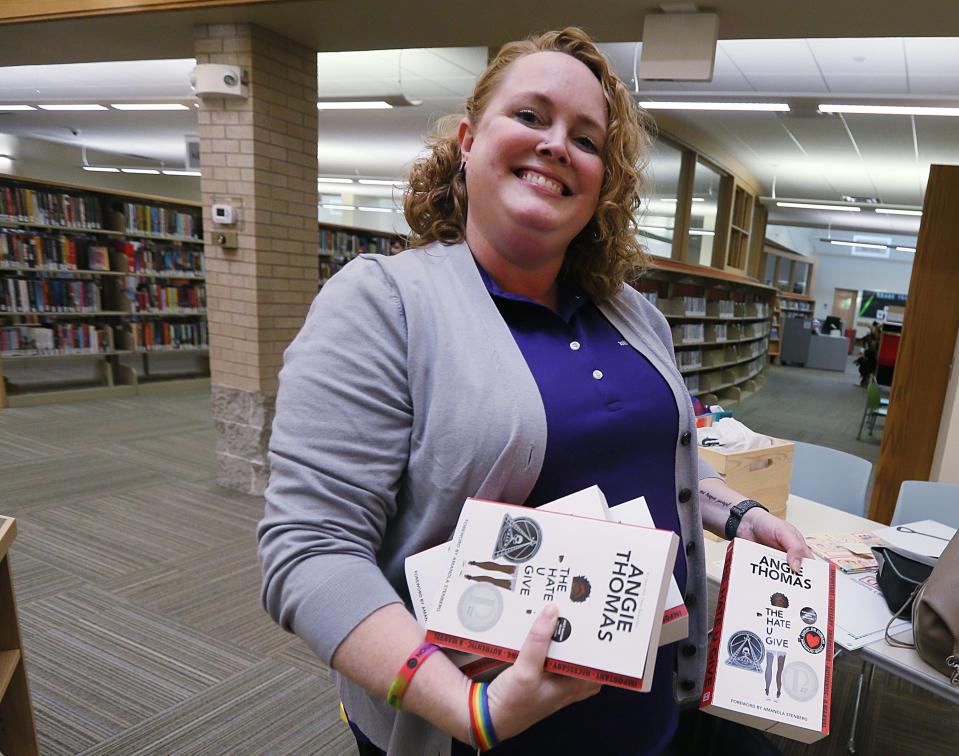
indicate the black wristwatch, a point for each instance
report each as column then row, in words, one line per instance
column 736, row 514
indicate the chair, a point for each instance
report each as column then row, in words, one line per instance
column 927, row 500
column 831, row 477
column 874, row 407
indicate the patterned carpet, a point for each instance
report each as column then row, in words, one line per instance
column 137, row 587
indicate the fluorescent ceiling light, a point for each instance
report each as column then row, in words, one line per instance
column 354, row 105
column 905, row 249
column 888, row 110
column 890, row 211
column 376, row 209
column 381, row 182
column 811, row 206
column 180, row 173
column 644, row 227
column 334, row 180
column 777, row 107
column 701, row 232
column 338, row 207
column 88, row 106
column 866, row 245
column 10, row 108
column 151, row 171
column 674, row 199
column 99, row 169
column 149, row 106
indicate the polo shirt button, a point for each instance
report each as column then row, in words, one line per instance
column 689, row 649
column 690, row 600
column 684, row 495
column 685, row 438
column 597, row 374
column 690, row 547
column 687, row 685
column 574, row 345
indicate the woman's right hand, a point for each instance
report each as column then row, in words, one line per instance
column 525, row 693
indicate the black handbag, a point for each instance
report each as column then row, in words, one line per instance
column 898, row 578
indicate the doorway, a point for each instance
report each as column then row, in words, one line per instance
column 844, row 306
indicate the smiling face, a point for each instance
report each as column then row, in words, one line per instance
column 534, row 166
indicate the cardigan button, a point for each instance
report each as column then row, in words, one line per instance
column 690, row 547
column 687, row 685
column 685, row 438
column 690, row 600
column 685, row 495
column 689, row 649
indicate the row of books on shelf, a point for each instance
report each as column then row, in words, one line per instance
column 51, row 208
column 688, row 359
column 692, row 307
column 727, row 376
column 149, row 296
column 349, row 244
column 718, row 333
column 146, row 257
column 61, row 338
column 28, row 249
column 154, row 219
column 48, row 295
column 156, row 336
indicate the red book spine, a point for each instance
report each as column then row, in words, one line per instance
column 712, row 661
column 830, row 638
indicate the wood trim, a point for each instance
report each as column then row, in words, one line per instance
column 46, row 185
column 724, row 219
column 757, row 237
column 800, row 297
column 19, row 11
column 925, row 352
column 684, row 205
column 704, row 271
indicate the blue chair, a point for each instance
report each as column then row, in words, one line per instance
column 876, row 406
column 927, row 500
column 830, row 477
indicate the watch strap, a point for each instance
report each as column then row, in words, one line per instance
column 736, row 514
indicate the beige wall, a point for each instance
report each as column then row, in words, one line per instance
column 945, row 462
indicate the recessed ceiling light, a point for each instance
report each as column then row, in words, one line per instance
column 149, row 106
column 888, row 110
column 905, row 249
column 777, row 107
column 354, row 105
column 11, row 108
column 866, row 245
column 811, row 206
column 334, row 180
column 99, row 169
column 891, row 211
column 150, row 171
column 85, row 106
column 167, row 172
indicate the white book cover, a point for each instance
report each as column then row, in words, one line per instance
column 923, row 541
column 675, row 615
column 771, row 649
column 608, row 579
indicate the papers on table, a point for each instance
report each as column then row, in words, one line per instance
column 861, row 611
column 923, row 541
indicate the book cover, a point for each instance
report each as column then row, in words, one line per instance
column 850, row 552
column 608, row 579
column 98, row 258
column 771, row 648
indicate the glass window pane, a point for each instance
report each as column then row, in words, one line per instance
column 659, row 211
column 800, row 274
column 702, row 223
column 770, row 275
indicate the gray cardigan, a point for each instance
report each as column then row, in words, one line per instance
column 403, row 395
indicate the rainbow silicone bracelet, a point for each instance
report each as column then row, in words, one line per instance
column 394, row 696
column 481, row 724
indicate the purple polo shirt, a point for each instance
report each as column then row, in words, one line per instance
column 611, row 421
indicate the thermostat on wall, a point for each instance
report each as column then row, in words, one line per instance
column 224, row 215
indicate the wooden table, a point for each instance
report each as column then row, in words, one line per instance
column 18, row 735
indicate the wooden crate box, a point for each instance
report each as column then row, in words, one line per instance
column 761, row 474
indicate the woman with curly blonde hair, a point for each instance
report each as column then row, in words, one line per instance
column 503, row 358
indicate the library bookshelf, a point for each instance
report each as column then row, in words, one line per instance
column 340, row 244
column 720, row 322
column 102, row 293
column 787, row 305
column 17, row 730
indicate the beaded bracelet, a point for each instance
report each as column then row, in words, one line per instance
column 481, row 724
column 404, row 677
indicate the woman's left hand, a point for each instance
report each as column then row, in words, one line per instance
column 762, row 527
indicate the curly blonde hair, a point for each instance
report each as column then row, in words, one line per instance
column 607, row 252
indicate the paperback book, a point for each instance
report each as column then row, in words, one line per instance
column 771, row 649
column 850, row 552
column 608, row 579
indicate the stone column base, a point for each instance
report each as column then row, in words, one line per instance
column 243, row 421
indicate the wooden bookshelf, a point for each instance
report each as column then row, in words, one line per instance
column 104, row 275
column 340, row 244
column 18, row 733
column 720, row 321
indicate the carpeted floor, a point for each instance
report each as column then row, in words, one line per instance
column 137, row 586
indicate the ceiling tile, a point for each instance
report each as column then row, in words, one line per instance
column 882, row 138
column 868, row 83
column 932, row 55
column 883, row 55
column 940, row 84
column 773, row 83
column 767, row 57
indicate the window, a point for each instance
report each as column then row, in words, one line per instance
column 658, row 216
column 702, row 222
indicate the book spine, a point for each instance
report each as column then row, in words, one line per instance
column 830, row 639
column 712, row 659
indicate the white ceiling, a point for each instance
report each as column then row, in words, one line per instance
column 800, row 154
